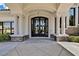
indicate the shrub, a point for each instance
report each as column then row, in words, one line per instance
column 4, row 37
column 74, row 39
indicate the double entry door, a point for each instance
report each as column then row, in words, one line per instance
column 39, row 27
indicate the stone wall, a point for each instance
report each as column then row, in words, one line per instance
column 72, row 30
column 62, row 38
column 19, row 38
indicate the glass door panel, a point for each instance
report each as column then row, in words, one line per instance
column 39, row 27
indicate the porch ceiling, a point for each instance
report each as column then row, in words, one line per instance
column 64, row 7
column 25, row 7
column 21, row 8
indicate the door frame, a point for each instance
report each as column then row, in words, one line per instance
column 30, row 27
column 39, row 18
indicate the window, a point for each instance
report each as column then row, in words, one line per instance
column 1, row 27
column 55, row 24
column 60, row 24
column 12, row 28
column 7, row 27
column 65, row 22
column 78, row 15
column 60, row 21
column 72, row 17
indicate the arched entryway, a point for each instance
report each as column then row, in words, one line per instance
column 40, row 14
column 39, row 26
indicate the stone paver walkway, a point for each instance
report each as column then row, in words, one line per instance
column 5, row 47
column 71, row 47
column 33, row 48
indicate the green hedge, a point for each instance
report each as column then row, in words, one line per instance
column 4, row 37
column 74, row 39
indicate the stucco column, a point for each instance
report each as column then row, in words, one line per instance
column 63, row 25
column 20, row 25
column 58, row 26
column 76, row 16
column 16, row 26
column 67, row 21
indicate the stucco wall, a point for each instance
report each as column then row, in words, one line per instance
column 27, row 11
column 6, row 18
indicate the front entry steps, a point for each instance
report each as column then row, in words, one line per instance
column 38, row 40
column 52, row 39
column 19, row 38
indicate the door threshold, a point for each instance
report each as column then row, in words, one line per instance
column 40, row 37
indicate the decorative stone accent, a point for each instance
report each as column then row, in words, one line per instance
column 62, row 38
column 78, row 29
column 72, row 30
column 19, row 38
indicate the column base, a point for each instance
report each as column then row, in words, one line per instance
column 62, row 37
